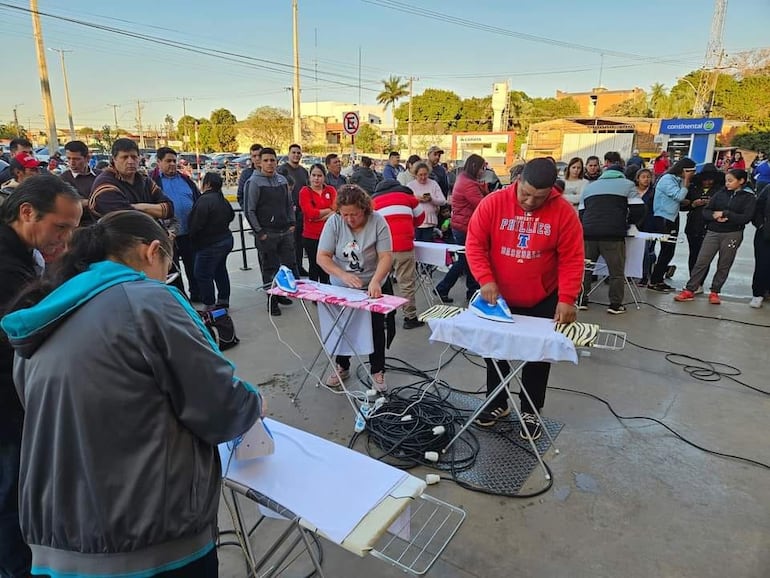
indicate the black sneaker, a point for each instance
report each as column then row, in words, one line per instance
column 660, row 287
column 272, row 307
column 670, row 271
column 488, row 418
column 412, row 323
column 445, row 298
column 533, row 426
column 282, row 300
column 616, row 309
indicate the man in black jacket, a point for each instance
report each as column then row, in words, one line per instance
column 254, row 151
column 607, row 206
column 299, row 175
column 37, row 220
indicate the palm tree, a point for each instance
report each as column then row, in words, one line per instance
column 658, row 100
column 394, row 89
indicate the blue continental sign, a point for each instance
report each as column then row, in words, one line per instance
column 691, row 126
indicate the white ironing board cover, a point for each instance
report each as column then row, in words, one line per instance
column 434, row 253
column 634, row 258
column 328, row 485
column 527, row 339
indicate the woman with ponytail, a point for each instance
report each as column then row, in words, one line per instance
column 126, row 398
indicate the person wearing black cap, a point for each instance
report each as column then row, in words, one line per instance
column 704, row 184
column 607, row 206
column 670, row 190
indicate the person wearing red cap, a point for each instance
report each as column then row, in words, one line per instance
column 23, row 166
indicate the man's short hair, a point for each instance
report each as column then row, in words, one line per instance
column 267, row 151
column 613, row 158
column 592, row 158
column 366, row 162
column 541, row 173
column 163, row 151
column 123, row 145
column 294, row 146
column 394, row 154
column 255, row 147
column 19, row 142
column 329, row 158
column 77, row 146
column 41, row 192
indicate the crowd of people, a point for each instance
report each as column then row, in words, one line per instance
column 89, row 259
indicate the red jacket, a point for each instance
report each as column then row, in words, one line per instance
column 403, row 213
column 466, row 196
column 311, row 204
column 528, row 255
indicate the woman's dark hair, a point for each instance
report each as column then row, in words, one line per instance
column 421, row 165
column 573, row 161
column 737, row 153
column 213, row 180
column 113, row 236
column 473, row 164
column 318, row 166
column 739, row 174
column 354, row 195
column 639, row 173
column 679, row 166
column 40, row 191
column 412, row 159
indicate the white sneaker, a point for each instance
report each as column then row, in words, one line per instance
column 756, row 302
column 699, row 290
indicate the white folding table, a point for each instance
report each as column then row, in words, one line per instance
column 361, row 504
column 428, row 257
column 526, row 339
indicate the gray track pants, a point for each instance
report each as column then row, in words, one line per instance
column 726, row 245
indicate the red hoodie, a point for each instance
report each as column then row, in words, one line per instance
column 528, row 255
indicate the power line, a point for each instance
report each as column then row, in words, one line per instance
column 242, row 59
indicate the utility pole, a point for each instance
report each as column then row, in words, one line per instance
column 295, row 92
column 66, row 90
column 409, row 125
column 16, row 118
column 360, row 97
column 115, row 108
column 184, row 100
column 139, row 123
column 45, row 85
column 704, row 96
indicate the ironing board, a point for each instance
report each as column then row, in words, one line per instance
column 336, row 311
column 524, row 339
column 428, row 256
column 363, row 505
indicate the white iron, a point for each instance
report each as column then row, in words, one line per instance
column 255, row 443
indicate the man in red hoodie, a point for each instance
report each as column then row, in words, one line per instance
column 403, row 213
column 525, row 243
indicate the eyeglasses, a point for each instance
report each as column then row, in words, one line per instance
column 173, row 272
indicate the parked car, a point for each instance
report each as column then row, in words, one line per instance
column 192, row 159
column 44, row 156
column 241, row 162
column 218, row 161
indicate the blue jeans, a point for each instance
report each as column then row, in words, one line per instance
column 15, row 557
column 210, row 268
column 458, row 268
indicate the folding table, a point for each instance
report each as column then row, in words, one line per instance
column 337, row 306
column 361, row 504
column 429, row 256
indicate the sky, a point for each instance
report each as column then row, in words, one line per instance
column 448, row 44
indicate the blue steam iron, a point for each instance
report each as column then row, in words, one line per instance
column 497, row 312
column 285, row 281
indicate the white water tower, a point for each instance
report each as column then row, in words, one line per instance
column 500, row 107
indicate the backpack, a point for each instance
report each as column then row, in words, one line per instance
column 221, row 326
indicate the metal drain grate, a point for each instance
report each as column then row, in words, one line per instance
column 505, row 461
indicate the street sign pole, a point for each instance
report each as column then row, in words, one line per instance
column 350, row 124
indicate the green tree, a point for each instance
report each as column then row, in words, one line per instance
column 12, row 130
column 753, row 139
column 433, row 112
column 205, row 136
column 105, row 138
column 393, row 90
column 635, row 106
column 185, row 128
column 659, row 103
column 224, row 130
column 369, row 140
column 475, row 115
column 168, row 124
column 269, row 125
